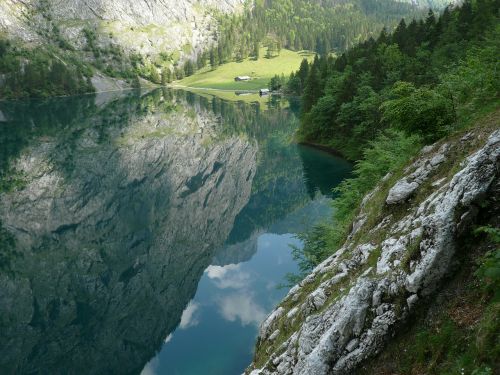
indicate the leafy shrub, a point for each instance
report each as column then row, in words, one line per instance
column 489, row 267
column 421, row 111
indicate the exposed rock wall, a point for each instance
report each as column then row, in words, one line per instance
column 148, row 27
column 349, row 306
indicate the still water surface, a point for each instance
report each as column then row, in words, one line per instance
column 148, row 233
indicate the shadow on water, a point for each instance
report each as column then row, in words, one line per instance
column 113, row 208
column 322, row 173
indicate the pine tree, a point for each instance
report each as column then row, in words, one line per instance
column 303, row 73
column 166, row 76
column 256, row 50
column 136, row 84
column 154, row 76
column 189, row 68
column 311, row 92
column 213, row 59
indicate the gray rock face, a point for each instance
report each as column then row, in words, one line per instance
column 145, row 26
column 115, row 227
column 104, row 84
column 361, row 298
column 422, row 170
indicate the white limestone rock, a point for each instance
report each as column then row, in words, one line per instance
column 266, row 327
column 339, row 338
column 422, row 170
column 401, row 191
column 140, row 26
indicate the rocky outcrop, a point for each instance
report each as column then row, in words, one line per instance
column 344, row 312
column 120, row 213
column 148, row 27
column 422, row 170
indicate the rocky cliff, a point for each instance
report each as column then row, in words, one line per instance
column 402, row 246
column 117, row 219
column 148, row 27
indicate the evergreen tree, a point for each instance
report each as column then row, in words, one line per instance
column 166, row 76
column 256, row 50
column 213, row 59
column 401, row 80
column 311, row 89
column 154, row 76
column 303, row 71
column 188, row 68
column 136, row 83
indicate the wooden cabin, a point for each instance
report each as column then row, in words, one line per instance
column 242, row 78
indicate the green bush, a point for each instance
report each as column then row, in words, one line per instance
column 421, row 111
column 489, row 267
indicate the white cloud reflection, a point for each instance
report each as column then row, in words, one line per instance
column 230, row 276
column 168, row 339
column 236, row 300
column 241, row 307
column 151, row 368
column 189, row 316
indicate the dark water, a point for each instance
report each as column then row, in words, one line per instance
column 148, row 234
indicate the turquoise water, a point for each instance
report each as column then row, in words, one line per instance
column 148, row 233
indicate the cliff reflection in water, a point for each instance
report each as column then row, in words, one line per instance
column 111, row 209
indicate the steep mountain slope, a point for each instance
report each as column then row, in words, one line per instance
column 85, row 41
column 421, row 108
column 402, row 246
column 147, row 27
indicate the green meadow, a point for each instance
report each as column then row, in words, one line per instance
column 261, row 71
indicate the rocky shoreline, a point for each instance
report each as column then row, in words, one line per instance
column 350, row 305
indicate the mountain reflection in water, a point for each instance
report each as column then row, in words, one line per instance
column 147, row 233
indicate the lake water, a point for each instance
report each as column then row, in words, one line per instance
column 149, row 234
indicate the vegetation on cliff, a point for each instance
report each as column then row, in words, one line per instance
column 381, row 101
column 70, row 55
column 320, row 26
column 41, row 72
column 420, row 79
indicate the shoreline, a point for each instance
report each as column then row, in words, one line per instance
column 324, row 148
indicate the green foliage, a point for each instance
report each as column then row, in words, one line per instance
column 41, row 73
column 166, row 76
column 315, row 249
column 154, row 76
column 256, row 50
column 189, row 68
column 451, row 349
column 363, row 99
column 421, row 111
column 7, row 248
column 277, row 82
column 425, row 78
column 136, row 83
column 489, row 267
column 475, row 80
column 320, row 26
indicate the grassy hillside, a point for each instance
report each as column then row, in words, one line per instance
column 261, row 71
